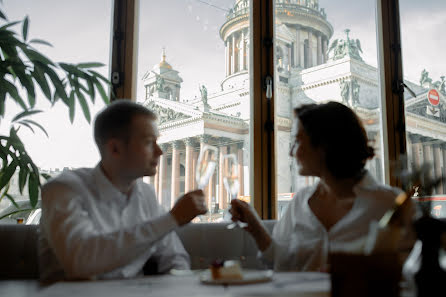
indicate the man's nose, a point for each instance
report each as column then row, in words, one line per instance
column 159, row 150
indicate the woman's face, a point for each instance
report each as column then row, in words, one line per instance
column 309, row 158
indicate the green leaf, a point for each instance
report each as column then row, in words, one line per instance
column 27, row 125
column 72, row 106
column 56, row 81
column 23, row 174
column 40, row 41
column 72, row 69
column 2, row 103
column 36, row 56
column 33, row 189
column 40, row 78
column 90, row 65
column 96, row 74
column 12, row 200
column 7, row 174
column 2, row 16
column 15, row 212
column 12, row 91
column 25, row 28
column 37, row 125
column 4, row 27
column 25, row 113
column 101, row 91
column 27, row 82
column 84, row 104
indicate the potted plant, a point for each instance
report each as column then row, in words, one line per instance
column 22, row 70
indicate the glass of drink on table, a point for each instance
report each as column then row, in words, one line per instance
column 231, row 183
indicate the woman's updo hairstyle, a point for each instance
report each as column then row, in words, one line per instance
column 338, row 131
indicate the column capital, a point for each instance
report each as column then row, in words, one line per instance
column 240, row 145
column 443, row 145
column 224, row 141
column 190, row 141
column 176, row 144
column 164, row 146
column 414, row 138
column 204, row 138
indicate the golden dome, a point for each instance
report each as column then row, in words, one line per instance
column 163, row 63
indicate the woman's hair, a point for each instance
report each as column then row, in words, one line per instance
column 338, row 131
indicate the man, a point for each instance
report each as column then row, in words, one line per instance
column 104, row 222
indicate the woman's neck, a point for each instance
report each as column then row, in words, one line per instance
column 338, row 188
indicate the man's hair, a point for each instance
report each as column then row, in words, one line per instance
column 338, row 131
column 114, row 121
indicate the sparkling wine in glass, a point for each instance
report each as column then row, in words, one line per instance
column 207, row 160
column 231, row 182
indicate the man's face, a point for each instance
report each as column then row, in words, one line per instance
column 141, row 154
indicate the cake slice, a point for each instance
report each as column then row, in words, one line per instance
column 226, row 270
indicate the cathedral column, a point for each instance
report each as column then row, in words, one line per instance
column 310, row 49
column 189, row 175
column 298, row 61
column 156, row 181
column 175, row 180
column 438, row 166
column 241, row 180
column 242, row 59
column 194, row 166
column 204, row 139
column 222, row 193
column 417, row 150
column 319, row 49
column 289, row 57
column 162, row 172
column 409, row 152
column 226, row 59
column 324, row 50
column 233, row 54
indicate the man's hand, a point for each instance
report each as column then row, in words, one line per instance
column 188, row 207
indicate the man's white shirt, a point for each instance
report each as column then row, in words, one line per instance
column 89, row 229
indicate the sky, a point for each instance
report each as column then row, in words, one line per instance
column 189, row 31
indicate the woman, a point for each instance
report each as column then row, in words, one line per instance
column 330, row 143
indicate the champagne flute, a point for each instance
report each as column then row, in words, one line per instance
column 231, row 183
column 207, row 161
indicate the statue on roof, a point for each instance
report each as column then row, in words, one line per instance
column 345, row 92
column 159, row 83
column 204, row 94
column 425, row 80
column 344, row 47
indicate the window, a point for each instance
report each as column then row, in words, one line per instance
column 327, row 53
column 195, row 76
column 79, row 32
column 423, row 62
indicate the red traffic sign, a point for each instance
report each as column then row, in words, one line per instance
column 433, row 97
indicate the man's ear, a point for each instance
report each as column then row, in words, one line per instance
column 114, row 147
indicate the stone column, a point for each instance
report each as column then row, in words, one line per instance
column 210, row 192
column 156, row 181
column 242, row 54
column 189, row 174
column 233, row 54
column 289, row 57
column 417, row 150
column 325, row 50
column 226, row 59
column 241, row 180
column 204, row 139
column 162, row 172
column 222, row 193
column 409, row 152
column 319, row 49
column 194, row 166
column 428, row 155
column 297, row 53
column 310, row 49
column 175, row 180
column 438, row 166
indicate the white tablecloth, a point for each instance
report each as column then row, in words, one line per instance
column 283, row 284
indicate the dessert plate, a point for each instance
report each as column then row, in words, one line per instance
column 249, row 277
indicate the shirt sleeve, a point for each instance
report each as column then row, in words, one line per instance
column 80, row 247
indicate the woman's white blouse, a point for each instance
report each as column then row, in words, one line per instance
column 301, row 242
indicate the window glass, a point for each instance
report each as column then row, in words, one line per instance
column 324, row 51
column 422, row 25
column 79, row 31
column 193, row 71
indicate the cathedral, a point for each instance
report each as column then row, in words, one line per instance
column 310, row 67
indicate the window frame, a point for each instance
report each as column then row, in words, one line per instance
column 263, row 187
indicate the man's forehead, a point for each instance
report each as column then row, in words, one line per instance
column 145, row 125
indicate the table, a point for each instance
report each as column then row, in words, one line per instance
column 283, row 284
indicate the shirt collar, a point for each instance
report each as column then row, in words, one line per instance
column 107, row 191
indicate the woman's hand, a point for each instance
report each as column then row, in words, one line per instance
column 242, row 211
